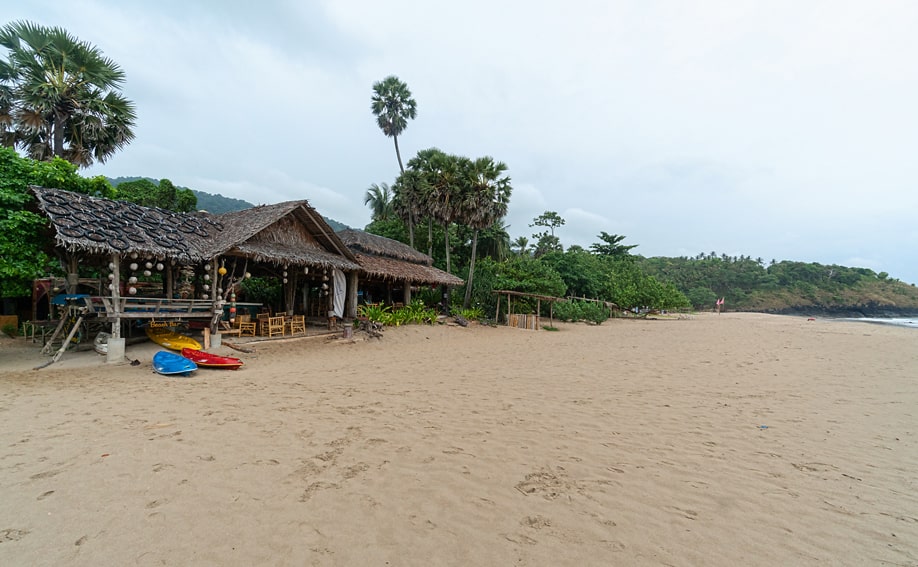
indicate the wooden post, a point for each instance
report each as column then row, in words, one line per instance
column 508, row 308
column 351, row 303
column 406, row 293
column 551, row 314
column 116, row 296
column 169, row 283
column 497, row 311
column 206, row 338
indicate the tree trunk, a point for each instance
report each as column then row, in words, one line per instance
column 398, row 154
column 430, row 237
column 411, row 227
column 57, row 147
column 446, row 240
column 468, row 284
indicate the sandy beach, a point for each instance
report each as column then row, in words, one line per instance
column 738, row 439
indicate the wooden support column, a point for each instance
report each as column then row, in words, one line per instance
column 116, row 296
column 168, row 279
column 350, row 306
column 406, row 293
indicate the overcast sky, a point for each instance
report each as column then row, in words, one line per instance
column 784, row 130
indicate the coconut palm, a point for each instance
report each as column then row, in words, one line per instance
column 406, row 199
column 393, row 106
column 484, row 202
column 61, row 96
column 521, row 246
column 379, row 199
column 423, row 165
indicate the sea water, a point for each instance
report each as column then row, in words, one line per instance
column 896, row 321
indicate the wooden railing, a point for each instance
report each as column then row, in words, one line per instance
column 151, row 307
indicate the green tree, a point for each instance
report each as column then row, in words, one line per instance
column 24, row 241
column 379, row 199
column 163, row 194
column 484, row 202
column 393, row 106
column 546, row 241
column 407, row 199
column 61, row 96
column 611, row 245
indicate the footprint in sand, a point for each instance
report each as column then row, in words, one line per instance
column 45, row 495
column 12, row 534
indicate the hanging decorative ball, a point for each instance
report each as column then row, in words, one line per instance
column 133, row 266
column 206, row 277
column 147, row 273
column 325, row 286
column 205, row 296
column 206, row 287
column 222, row 271
column 159, row 266
column 285, row 280
column 232, row 310
column 149, row 265
column 285, row 273
column 111, row 287
column 306, row 270
column 111, row 276
column 248, row 275
column 133, row 255
column 132, row 280
column 173, row 261
column 132, row 290
column 111, row 266
column 219, row 290
column 233, row 296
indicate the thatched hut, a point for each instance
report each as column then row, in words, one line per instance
column 114, row 235
column 388, row 265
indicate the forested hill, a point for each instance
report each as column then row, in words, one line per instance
column 785, row 287
column 217, row 204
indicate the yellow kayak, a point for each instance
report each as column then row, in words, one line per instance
column 166, row 337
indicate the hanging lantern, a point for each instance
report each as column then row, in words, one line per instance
column 222, row 271
column 133, row 255
column 111, row 266
column 206, row 277
column 149, row 265
column 233, row 296
column 111, row 276
column 147, row 273
column 285, row 280
column 133, row 266
column 325, row 286
column 220, row 290
column 132, row 290
column 306, row 270
column 111, row 287
column 285, row 273
column 205, row 296
column 248, row 275
column 206, row 287
column 159, row 266
column 132, row 280
column 324, row 278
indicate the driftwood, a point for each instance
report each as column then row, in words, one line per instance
column 239, row 348
column 461, row 321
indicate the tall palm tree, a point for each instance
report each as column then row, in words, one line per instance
column 393, row 106
column 407, row 199
column 379, row 199
column 423, row 164
column 61, row 96
column 484, row 202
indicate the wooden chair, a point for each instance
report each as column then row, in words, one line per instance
column 276, row 326
column 226, row 329
column 246, row 326
column 263, row 324
column 296, row 324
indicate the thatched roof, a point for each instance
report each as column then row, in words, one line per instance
column 285, row 233
column 362, row 241
column 389, row 259
column 274, row 233
column 392, row 269
column 102, row 226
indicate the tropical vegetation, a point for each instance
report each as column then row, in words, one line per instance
column 60, row 97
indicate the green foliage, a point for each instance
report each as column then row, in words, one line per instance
column 24, row 242
column 262, row 290
column 470, row 313
column 163, row 194
column 574, row 310
column 611, row 245
column 60, row 96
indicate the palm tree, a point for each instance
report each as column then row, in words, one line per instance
column 406, row 199
column 393, row 106
column 379, row 198
column 423, row 164
column 521, row 244
column 484, row 202
column 61, row 97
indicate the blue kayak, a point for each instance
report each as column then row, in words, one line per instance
column 169, row 363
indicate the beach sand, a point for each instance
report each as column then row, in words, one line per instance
column 738, row 439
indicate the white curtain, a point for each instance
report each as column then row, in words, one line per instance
column 339, row 288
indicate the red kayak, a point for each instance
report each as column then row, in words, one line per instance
column 206, row 359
